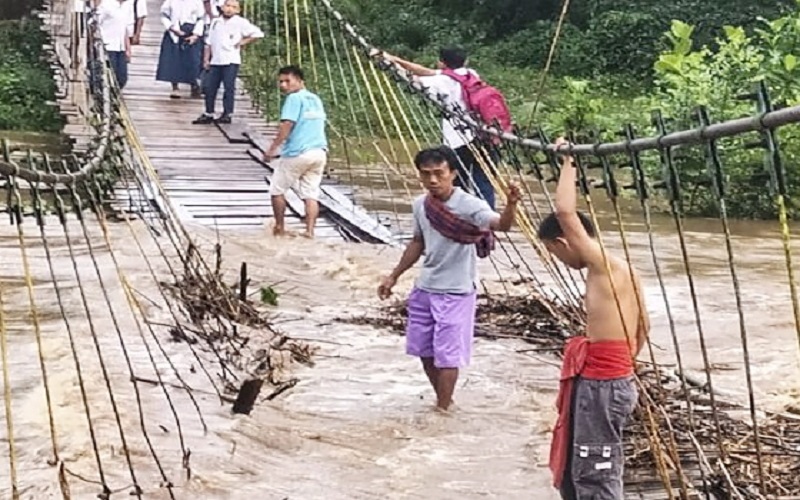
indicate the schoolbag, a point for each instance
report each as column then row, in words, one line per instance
column 483, row 101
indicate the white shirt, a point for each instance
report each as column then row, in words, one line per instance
column 116, row 23
column 216, row 5
column 224, row 35
column 441, row 84
column 174, row 13
column 141, row 9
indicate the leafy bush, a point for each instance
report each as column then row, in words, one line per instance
column 26, row 84
column 622, row 43
column 715, row 78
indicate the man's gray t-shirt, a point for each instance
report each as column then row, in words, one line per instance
column 449, row 266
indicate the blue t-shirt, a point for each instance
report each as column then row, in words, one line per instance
column 306, row 111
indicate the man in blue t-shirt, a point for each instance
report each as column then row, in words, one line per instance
column 304, row 150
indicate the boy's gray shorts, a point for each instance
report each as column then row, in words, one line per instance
column 600, row 410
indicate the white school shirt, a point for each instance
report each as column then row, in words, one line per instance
column 116, row 23
column 174, row 13
column 216, row 6
column 224, row 34
column 141, row 9
column 441, row 84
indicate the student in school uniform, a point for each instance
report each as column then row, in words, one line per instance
column 213, row 9
column 139, row 15
column 226, row 36
column 115, row 19
column 180, row 59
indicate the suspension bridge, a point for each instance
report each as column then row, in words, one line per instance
column 107, row 291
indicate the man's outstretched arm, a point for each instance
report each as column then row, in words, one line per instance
column 411, row 67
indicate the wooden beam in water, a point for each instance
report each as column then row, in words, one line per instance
column 340, row 206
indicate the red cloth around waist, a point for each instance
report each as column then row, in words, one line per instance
column 606, row 360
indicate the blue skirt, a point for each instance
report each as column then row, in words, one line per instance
column 180, row 62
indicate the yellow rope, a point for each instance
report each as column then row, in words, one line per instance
column 34, row 314
column 286, row 31
column 392, row 115
column 550, row 56
column 787, row 250
column 311, row 43
column 673, row 449
column 375, row 106
column 652, row 426
column 297, row 33
column 393, row 92
column 12, row 452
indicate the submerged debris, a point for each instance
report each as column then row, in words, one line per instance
column 239, row 334
column 672, row 427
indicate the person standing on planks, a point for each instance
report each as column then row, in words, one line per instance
column 139, row 15
column 116, row 21
column 300, row 148
column 180, row 58
column 226, row 36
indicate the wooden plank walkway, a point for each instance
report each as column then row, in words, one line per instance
column 211, row 176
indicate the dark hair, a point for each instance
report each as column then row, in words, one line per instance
column 436, row 156
column 292, row 70
column 550, row 229
column 453, row 57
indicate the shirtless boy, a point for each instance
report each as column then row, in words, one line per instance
column 598, row 393
column 452, row 228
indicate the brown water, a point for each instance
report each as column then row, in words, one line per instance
column 359, row 424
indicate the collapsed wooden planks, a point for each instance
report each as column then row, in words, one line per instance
column 214, row 174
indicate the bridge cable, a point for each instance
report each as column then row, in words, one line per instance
column 33, row 311
column 718, row 186
column 651, row 426
column 61, row 213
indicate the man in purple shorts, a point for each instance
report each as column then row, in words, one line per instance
column 452, row 228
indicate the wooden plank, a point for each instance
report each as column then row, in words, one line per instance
column 338, row 204
column 236, row 132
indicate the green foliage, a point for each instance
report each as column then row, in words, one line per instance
column 269, row 296
column 622, row 42
column 616, row 61
column 26, row 84
column 600, row 37
column 714, row 78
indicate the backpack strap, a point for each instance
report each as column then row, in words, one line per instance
column 462, row 79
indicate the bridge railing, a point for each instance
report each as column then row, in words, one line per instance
column 376, row 106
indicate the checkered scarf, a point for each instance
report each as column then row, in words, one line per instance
column 452, row 227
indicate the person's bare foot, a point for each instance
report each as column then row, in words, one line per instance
column 308, row 235
column 278, row 231
column 443, row 411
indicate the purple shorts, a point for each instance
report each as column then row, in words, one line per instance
column 441, row 326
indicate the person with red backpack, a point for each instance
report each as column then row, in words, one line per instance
column 461, row 90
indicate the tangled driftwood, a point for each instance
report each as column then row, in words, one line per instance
column 239, row 333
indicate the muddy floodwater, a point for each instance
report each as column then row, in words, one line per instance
column 359, row 424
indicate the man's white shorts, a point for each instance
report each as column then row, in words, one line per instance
column 302, row 173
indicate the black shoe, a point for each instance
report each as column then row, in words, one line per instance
column 204, row 119
column 224, row 119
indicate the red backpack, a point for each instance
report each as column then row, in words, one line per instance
column 483, row 101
